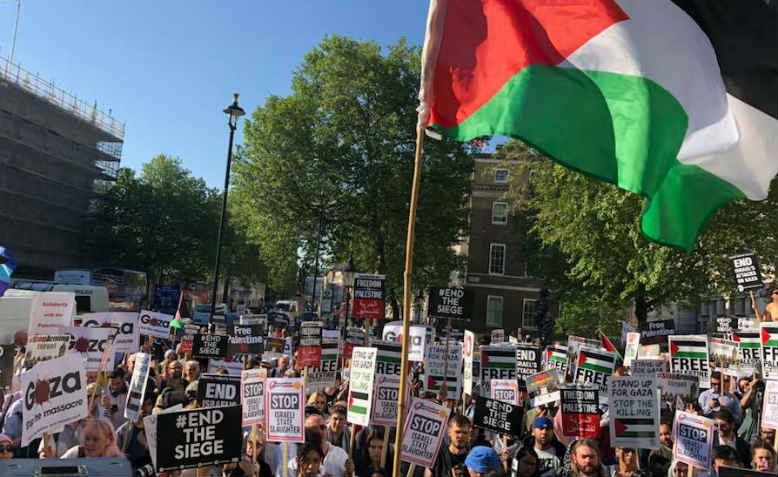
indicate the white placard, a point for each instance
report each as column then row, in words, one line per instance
column 140, row 375
column 45, row 347
column 154, row 324
column 252, row 396
column 128, row 338
column 506, row 390
column 770, row 407
column 284, row 404
column 423, row 432
column 631, row 349
column 50, row 311
column 648, row 366
column 634, row 412
column 435, row 367
column 360, row 394
column 385, row 401
column 91, row 343
column 467, row 353
column 693, row 439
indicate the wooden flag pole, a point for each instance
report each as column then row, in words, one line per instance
column 775, row 441
column 384, row 446
column 444, row 388
column 417, row 163
column 285, row 458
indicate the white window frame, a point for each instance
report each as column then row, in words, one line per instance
column 504, row 252
column 524, row 323
column 505, row 217
column 497, row 172
column 501, row 299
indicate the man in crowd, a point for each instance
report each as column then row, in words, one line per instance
column 336, row 462
column 338, row 432
column 724, row 456
column 584, row 460
column 455, row 453
column 659, row 460
column 727, row 436
column 550, row 452
column 711, row 400
column 280, row 370
column 115, row 398
column 191, row 371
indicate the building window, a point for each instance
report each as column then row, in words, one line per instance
column 494, row 311
column 497, row 259
column 500, row 213
column 528, row 319
column 501, row 175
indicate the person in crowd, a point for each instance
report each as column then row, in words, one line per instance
column 525, row 463
column 584, row 460
column 309, row 457
column 763, row 458
column 131, row 436
column 724, row 456
column 725, row 427
column 627, row 464
column 6, row 447
column 319, row 401
column 338, row 432
column 372, row 464
column 455, row 452
column 549, row 452
column 659, row 460
column 480, row 461
column 280, row 370
column 767, row 437
column 335, row 461
column 99, row 441
column 12, row 425
column 712, row 400
column 770, row 310
column 750, row 392
column 191, row 371
column 115, row 397
column 252, row 464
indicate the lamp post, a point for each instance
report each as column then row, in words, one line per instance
column 234, row 112
column 348, row 281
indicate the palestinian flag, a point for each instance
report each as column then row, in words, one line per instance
column 635, row 428
column 556, row 354
column 388, row 352
column 671, row 99
column 329, row 350
column 358, row 403
column 688, row 347
column 498, row 357
column 596, row 361
column 769, row 335
column 608, row 345
column 747, row 339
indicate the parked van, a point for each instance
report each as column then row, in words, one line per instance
column 89, row 299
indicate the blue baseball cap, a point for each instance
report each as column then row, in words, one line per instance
column 483, row 459
column 543, row 423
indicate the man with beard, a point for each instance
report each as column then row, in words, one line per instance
column 131, row 436
column 115, row 398
column 584, row 460
column 550, row 452
column 455, row 453
column 659, row 460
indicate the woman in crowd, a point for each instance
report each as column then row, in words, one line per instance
column 627, row 465
column 6, row 447
column 309, row 458
column 526, row 462
column 253, row 463
column 763, row 458
column 99, row 441
column 319, row 401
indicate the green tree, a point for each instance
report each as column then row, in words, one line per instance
column 341, row 144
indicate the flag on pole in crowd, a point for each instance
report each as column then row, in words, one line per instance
column 608, row 345
column 7, row 267
column 635, row 87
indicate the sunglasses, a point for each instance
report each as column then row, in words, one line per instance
column 6, row 448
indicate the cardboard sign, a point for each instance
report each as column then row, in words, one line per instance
column 216, row 390
column 388, row 358
column 197, row 437
column 154, row 324
column 556, row 358
column 45, row 347
column 769, row 350
column 91, row 343
column 580, row 411
column 7, row 354
column 505, row 390
column 677, row 386
column 354, row 337
column 50, row 311
column 309, row 352
column 770, row 405
column 634, row 412
column 726, row 324
column 693, row 439
column 497, row 336
column 360, row 394
column 53, row 394
column 723, row 352
column 420, row 337
column 385, row 400
column 252, row 395
column 423, row 432
column 322, row 376
column 543, row 388
column 527, row 361
column 436, row 371
column 284, row 404
column 451, row 303
column 656, row 332
column 140, row 375
column 648, row 367
column 246, row 339
column 689, row 356
column 467, row 354
column 368, row 300
column 497, row 362
column 631, row 349
column 749, row 342
column 595, row 366
column 497, row 416
column 128, row 337
column 233, row 368
column 206, row 346
column 745, row 267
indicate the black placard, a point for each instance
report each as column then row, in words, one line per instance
column 246, row 339
column 746, row 270
column 209, row 346
column 740, row 472
column 498, row 416
column 453, row 303
column 527, row 361
column 215, row 390
column 310, row 334
column 726, row 324
column 187, row 439
column 656, row 332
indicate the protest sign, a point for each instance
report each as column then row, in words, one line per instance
column 580, row 411
column 150, row 429
column 50, row 311
column 626, row 328
column 420, row 336
column 423, row 432
column 233, row 368
column 140, row 375
column 91, row 343
column 198, row 437
column 634, row 412
column 497, row 336
column 726, row 324
column 437, row 370
column 368, row 300
column 154, row 324
column 497, row 362
column 693, row 439
column 631, row 348
column 769, row 339
column 749, row 342
column 207, row 346
column 689, row 356
column 770, row 405
column 360, row 394
column 309, row 351
column 451, row 303
column 505, row 390
column 467, row 354
column 274, row 347
column 455, row 335
column 543, row 388
column 725, row 471
column 252, row 395
column 53, row 394
column 385, row 400
column 246, row 339
column 498, row 416
column 7, row 353
column 745, row 267
column 595, row 366
column 247, row 319
column 723, row 352
column 677, row 386
column 216, row 390
column 556, row 358
column 527, row 361
column 656, row 332
column 354, row 337
column 284, row 404
column 45, row 347
column 128, row 337
column 648, row 366
column 319, row 377
column 388, row 358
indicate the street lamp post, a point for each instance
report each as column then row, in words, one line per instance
column 348, row 281
column 234, row 112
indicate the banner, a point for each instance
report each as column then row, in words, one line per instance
column 556, row 358
column 198, row 437
column 388, row 358
column 506, row 390
column 360, row 394
column 467, row 354
column 634, row 412
column 91, row 343
column 423, row 432
column 50, row 311
column 420, row 337
column 527, row 361
column 206, row 346
column 436, row 371
column 128, row 338
column 769, row 350
column 322, row 376
column 689, row 356
column 284, row 404
column 595, row 366
column 656, row 332
column 155, row 324
column 368, row 300
column 140, row 375
column 693, row 439
column 385, row 401
column 745, row 268
column 770, row 405
column 246, row 339
column 216, row 390
column 354, row 337
column 497, row 362
column 309, row 351
column 580, row 412
column 7, row 354
column 543, row 388
column 450, row 303
column 631, row 349
column 53, row 394
column 648, row 366
column 497, row 416
column 45, row 347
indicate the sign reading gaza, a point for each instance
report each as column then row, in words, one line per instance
column 453, row 303
column 746, row 269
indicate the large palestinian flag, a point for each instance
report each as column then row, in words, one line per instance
column 629, row 91
column 747, row 339
column 596, row 361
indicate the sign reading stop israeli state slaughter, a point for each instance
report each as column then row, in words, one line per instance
column 634, row 412
column 385, row 400
column 423, row 432
column 252, row 395
column 693, row 439
column 284, row 404
column 128, row 338
column 154, row 324
column 505, row 390
column 770, row 405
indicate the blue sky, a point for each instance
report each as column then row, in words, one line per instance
column 168, row 67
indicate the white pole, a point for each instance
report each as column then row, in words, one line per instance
column 16, row 28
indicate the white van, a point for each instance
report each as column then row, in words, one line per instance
column 89, row 299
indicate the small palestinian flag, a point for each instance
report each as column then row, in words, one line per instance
column 688, row 347
column 498, row 357
column 634, row 428
column 388, row 352
column 434, row 383
column 769, row 335
column 329, row 351
column 747, row 339
column 596, row 361
column 358, row 403
column 556, row 354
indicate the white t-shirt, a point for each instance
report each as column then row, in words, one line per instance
column 333, row 464
column 548, row 463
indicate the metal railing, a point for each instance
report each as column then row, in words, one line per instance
column 45, row 90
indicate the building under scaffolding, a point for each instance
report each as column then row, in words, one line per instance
column 57, row 153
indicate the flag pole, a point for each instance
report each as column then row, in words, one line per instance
column 417, row 162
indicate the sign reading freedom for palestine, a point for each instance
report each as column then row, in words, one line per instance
column 368, row 297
